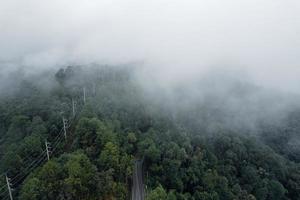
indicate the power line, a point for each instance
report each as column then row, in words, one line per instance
column 59, row 134
column 3, row 187
column 28, row 158
column 3, row 174
column 20, row 178
column 37, row 158
column 5, row 191
column 6, row 197
column 55, row 146
column 45, row 154
column 36, row 163
column 57, row 141
column 31, row 164
column 41, row 157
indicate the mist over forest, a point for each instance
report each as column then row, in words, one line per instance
column 156, row 100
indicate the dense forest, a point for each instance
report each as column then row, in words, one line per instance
column 95, row 122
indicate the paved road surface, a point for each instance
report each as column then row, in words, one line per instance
column 138, row 192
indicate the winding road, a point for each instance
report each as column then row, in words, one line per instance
column 138, row 192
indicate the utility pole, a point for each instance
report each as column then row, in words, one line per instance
column 9, row 187
column 65, row 121
column 84, row 100
column 47, row 149
column 73, row 107
column 94, row 89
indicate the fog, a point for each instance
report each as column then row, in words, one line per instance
column 177, row 40
column 211, row 65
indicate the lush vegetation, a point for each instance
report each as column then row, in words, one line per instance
column 115, row 126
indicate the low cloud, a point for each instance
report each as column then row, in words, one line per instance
column 178, row 39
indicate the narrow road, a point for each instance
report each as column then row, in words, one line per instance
column 138, row 192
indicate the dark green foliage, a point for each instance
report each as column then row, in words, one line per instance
column 182, row 160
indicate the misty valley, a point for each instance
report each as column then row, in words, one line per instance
column 102, row 132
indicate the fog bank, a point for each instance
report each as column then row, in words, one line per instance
column 178, row 39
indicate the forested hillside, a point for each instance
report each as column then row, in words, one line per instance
column 110, row 122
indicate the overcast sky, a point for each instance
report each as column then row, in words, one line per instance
column 181, row 38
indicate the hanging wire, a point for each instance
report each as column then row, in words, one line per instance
column 3, row 187
column 37, row 161
column 5, row 191
column 29, row 170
